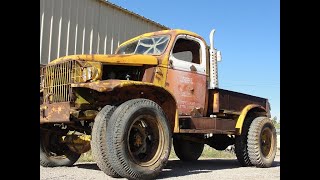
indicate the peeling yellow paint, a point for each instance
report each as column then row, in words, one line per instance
column 160, row 75
column 133, row 60
column 176, row 122
column 109, row 85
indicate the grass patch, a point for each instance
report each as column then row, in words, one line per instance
column 208, row 152
column 86, row 157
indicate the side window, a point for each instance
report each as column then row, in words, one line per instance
column 187, row 50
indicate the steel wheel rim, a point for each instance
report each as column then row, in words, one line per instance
column 267, row 142
column 145, row 140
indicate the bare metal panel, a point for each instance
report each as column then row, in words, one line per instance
column 70, row 27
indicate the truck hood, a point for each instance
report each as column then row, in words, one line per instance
column 118, row 59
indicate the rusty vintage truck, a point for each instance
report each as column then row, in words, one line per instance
column 158, row 89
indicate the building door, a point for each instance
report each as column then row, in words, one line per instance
column 186, row 77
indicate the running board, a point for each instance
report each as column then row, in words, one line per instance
column 205, row 131
column 207, row 125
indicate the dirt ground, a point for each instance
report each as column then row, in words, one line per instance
column 175, row 169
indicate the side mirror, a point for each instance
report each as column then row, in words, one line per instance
column 219, row 56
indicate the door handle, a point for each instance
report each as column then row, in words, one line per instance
column 170, row 63
column 190, row 88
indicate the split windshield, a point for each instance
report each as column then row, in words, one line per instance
column 154, row 45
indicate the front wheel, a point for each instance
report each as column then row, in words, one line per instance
column 99, row 140
column 140, row 139
column 53, row 152
column 262, row 142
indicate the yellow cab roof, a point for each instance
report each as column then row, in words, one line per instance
column 171, row 31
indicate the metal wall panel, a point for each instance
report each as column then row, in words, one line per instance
column 87, row 27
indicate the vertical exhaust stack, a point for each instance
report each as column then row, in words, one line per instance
column 213, row 64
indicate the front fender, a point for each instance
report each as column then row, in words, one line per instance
column 110, row 85
column 126, row 90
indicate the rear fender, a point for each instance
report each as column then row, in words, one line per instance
column 251, row 108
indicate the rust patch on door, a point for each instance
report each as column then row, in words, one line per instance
column 187, row 88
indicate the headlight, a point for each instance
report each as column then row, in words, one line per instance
column 89, row 73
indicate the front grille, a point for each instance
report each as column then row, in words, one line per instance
column 57, row 78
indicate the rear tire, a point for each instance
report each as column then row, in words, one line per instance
column 187, row 150
column 241, row 141
column 140, row 139
column 99, row 141
column 262, row 142
column 53, row 153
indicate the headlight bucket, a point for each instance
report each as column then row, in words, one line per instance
column 91, row 71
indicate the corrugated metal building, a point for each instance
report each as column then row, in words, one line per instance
column 87, row 27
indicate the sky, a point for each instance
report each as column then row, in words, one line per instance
column 247, row 34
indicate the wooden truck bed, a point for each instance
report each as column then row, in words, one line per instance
column 230, row 102
column 224, row 107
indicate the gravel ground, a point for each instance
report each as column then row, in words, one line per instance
column 175, row 169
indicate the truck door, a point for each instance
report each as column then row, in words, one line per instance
column 186, row 77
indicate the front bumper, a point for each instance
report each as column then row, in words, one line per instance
column 55, row 113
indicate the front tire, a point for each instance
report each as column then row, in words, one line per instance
column 262, row 142
column 53, row 153
column 187, row 150
column 140, row 139
column 99, row 141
